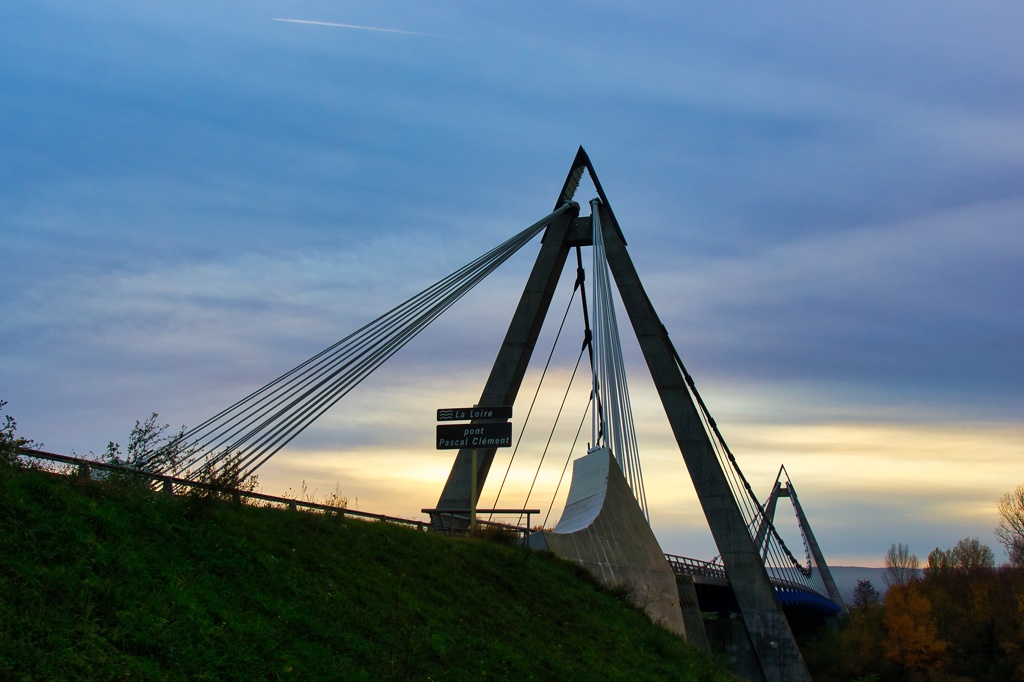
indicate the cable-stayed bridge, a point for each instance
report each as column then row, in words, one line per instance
column 605, row 524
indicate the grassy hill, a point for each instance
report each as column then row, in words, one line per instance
column 101, row 581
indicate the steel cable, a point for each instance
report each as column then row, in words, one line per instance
column 253, row 429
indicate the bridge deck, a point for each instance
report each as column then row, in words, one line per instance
column 788, row 592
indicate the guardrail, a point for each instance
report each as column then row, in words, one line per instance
column 85, row 467
column 789, row 592
column 455, row 521
column 687, row 566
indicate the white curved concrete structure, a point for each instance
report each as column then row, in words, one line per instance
column 603, row 529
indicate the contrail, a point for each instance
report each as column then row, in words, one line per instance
column 359, row 28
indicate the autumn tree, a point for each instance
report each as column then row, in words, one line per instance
column 963, row 619
column 860, row 650
column 912, row 643
column 901, row 567
column 1010, row 530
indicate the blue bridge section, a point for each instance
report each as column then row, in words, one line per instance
column 791, row 595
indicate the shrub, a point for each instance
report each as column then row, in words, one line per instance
column 10, row 444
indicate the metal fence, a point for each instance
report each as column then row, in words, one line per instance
column 172, row 484
column 687, row 566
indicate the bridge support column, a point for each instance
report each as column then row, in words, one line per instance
column 765, row 622
column 603, row 530
column 728, row 637
column 690, row 606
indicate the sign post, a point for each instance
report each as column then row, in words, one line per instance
column 472, row 496
column 495, row 432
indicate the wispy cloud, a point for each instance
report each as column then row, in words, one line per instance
column 354, row 26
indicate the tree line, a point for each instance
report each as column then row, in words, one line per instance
column 959, row 617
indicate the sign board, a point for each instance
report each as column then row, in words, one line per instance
column 454, row 414
column 458, row 436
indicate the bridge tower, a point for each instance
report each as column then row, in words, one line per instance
column 785, row 489
column 771, row 639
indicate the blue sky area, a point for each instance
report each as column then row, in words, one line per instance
column 824, row 201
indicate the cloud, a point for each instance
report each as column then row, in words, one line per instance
column 353, row 26
column 927, row 302
column 823, row 203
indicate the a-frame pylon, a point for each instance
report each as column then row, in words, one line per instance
column 785, row 489
column 770, row 635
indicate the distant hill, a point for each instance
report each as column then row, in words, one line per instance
column 846, row 578
column 102, row 581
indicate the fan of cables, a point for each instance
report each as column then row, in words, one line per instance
column 612, row 412
column 245, row 435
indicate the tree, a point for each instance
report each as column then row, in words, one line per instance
column 150, row 448
column 148, row 444
column 939, row 561
column 913, row 641
column 968, row 555
column 901, row 567
column 10, row 444
column 865, row 595
column 861, row 643
column 1011, row 524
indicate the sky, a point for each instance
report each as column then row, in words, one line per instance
column 824, row 202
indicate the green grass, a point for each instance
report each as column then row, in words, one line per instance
column 101, row 582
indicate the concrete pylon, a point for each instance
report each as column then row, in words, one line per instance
column 603, row 530
column 770, row 635
column 509, row 368
column 816, row 553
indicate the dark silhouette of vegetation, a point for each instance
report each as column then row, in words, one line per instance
column 9, row 442
column 225, row 474
column 148, row 445
column 151, row 446
column 961, row 619
column 967, row 556
column 1011, row 524
column 901, row 567
column 865, row 595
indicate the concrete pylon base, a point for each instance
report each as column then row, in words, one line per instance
column 603, row 529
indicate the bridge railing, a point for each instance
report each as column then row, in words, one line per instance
column 790, row 592
column 456, row 521
column 84, row 468
column 686, row 566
